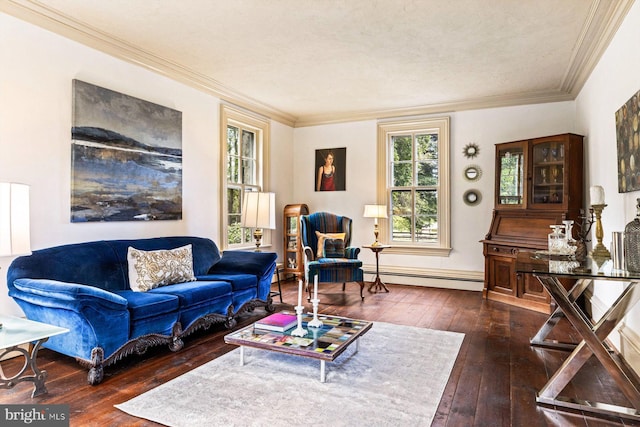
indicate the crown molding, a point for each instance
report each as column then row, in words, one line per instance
column 605, row 17
column 49, row 19
column 604, row 20
column 449, row 107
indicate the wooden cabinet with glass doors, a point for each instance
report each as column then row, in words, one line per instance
column 539, row 182
column 293, row 250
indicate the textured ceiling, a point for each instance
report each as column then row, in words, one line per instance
column 312, row 61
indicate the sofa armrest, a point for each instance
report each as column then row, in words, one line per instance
column 351, row 252
column 67, row 294
column 95, row 317
column 257, row 263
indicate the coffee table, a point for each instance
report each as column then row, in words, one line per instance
column 325, row 343
column 16, row 332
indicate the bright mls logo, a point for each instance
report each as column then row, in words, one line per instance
column 34, row 415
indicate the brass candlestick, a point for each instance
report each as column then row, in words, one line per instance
column 599, row 253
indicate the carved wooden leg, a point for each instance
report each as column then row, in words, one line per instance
column 344, row 285
column 96, row 373
column 176, row 343
column 231, row 321
column 361, row 289
column 269, row 307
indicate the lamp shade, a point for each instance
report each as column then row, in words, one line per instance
column 14, row 219
column 259, row 210
column 375, row 211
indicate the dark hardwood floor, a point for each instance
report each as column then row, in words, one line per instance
column 493, row 383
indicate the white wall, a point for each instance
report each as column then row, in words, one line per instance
column 615, row 79
column 35, row 136
column 35, row 120
column 470, row 223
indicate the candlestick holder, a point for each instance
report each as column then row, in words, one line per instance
column 583, row 227
column 600, row 253
column 315, row 323
column 299, row 331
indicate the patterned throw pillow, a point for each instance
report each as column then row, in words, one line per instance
column 151, row 269
column 333, row 248
column 321, row 237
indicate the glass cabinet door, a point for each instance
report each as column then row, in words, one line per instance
column 548, row 173
column 510, row 166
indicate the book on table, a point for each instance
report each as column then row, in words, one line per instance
column 278, row 322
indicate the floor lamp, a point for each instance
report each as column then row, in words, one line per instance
column 258, row 212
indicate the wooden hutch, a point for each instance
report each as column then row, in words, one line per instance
column 538, row 183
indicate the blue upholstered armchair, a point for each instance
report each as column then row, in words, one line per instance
column 327, row 254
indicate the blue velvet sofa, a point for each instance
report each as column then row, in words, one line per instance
column 86, row 288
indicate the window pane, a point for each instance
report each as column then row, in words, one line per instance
column 234, row 230
column 234, row 200
column 401, row 215
column 234, row 204
column 233, row 170
column 232, row 141
column 401, row 228
column 426, row 216
column 427, row 146
column 427, row 172
column 401, row 147
column 401, row 173
column 248, row 144
column 427, row 232
column 401, row 202
column 248, row 234
column 426, row 202
column 511, row 177
column 248, row 172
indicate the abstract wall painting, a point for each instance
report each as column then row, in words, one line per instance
column 628, row 141
column 126, row 161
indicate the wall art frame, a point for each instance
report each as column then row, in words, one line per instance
column 126, row 157
column 628, row 144
column 330, row 169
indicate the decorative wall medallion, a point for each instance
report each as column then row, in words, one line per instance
column 472, row 173
column 472, row 197
column 471, row 150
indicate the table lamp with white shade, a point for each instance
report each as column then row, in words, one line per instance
column 258, row 212
column 375, row 212
column 14, row 219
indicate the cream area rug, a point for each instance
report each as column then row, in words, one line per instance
column 396, row 378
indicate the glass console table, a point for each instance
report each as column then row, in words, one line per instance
column 549, row 269
column 14, row 333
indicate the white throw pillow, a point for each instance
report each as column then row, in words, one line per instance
column 151, row 269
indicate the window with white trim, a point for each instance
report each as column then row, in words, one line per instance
column 413, row 182
column 244, row 157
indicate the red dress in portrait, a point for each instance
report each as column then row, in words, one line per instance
column 327, row 182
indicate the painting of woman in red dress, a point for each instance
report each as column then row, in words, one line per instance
column 328, row 177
